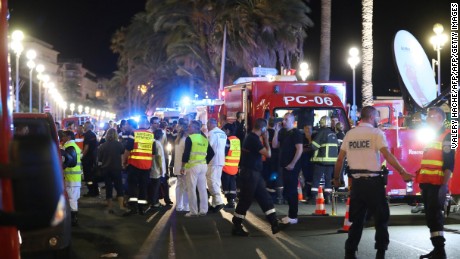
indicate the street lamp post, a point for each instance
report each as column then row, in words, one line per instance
column 353, row 60
column 72, row 108
column 31, row 55
column 438, row 41
column 17, row 47
column 41, row 79
column 304, row 71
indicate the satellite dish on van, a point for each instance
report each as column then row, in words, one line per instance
column 414, row 69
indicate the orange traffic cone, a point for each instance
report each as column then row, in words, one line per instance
column 346, row 222
column 320, row 209
column 299, row 192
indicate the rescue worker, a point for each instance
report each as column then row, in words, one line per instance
column 325, row 147
column 252, row 183
column 230, row 169
column 434, row 175
column 88, row 158
column 194, row 168
column 362, row 147
column 240, row 125
column 72, row 173
column 138, row 162
column 217, row 140
column 290, row 142
column 79, row 137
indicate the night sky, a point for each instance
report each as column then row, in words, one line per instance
column 82, row 29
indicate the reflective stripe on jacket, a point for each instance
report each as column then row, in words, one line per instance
column 233, row 156
column 198, row 151
column 141, row 155
column 431, row 167
column 73, row 174
column 326, row 149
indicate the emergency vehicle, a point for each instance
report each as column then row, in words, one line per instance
column 77, row 120
column 30, row 169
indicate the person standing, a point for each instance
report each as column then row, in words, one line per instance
column 240, row 127
column 138, row 162
column 80, row 137
column 88, row 159
column 109, row 156
column 362, row 147
column 217, row 140
column 325, row 148
column 252, row 182
column 158, row 171
column 433, row 177
column 181, row 185
column 290, row 142
column 194, row 168
column 72, row 173
column 230, row 169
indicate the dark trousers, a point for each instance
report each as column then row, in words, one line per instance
column 368, row 198
column 112, row 179
column 153, row 191
column 253, row 187
column 434, row 197
column 307, row 172
column 164, row 188
column 88, row 173
column 137, row 186
column 229, row 186
column 318, row 171
column 290, row 182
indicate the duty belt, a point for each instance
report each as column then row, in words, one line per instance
column 366, row 173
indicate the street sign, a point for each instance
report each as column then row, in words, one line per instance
column 263, row 71
column 46, row 109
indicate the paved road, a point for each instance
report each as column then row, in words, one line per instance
column 168, row 234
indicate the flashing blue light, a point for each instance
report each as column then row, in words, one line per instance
column 273, row 176
column 101, row 125
column 185, row 101
column 137, row 118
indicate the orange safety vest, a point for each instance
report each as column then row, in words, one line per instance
column 141, row 155
column 79, row 141
column 431, row 168
column 233, row 156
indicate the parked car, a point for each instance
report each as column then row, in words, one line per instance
column 53, row 241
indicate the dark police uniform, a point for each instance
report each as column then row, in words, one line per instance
column 252, row 184
column 362, row 145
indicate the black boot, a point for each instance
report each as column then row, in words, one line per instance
column 327, row 197
column 279, row 194
column 438, row 251
column 380, row 254
column 349, row 254
column 230, row 204
column 274, row 222
column 238, row 228
column 74, row 218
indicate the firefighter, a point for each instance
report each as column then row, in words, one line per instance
column 194, row 168
column 230, row 169
column 138, row 162
column 362, row 147
column 290, row 142
column 217, row 140
column 252, row 183
column 79, row 137
column 434, row 174
column 72, row 172
column 325, row 148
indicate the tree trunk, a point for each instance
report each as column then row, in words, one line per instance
column 325, row 50
column 368, row 52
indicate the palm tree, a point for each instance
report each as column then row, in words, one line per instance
column 325, row 50
column 368, row 52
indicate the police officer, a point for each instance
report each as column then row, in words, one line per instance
column 72, row 173
column 138, row 162
column 436, row 168
column 362, row 147
column 325, row 147
column 252, row 183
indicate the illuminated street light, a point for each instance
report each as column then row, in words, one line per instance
column 353, row 60
column 304, row 71
column 31, row 55
column 438, row 42
column 87, row 110
column 17, row 48
column 72, row 108
column 41, row 80
column 80, row 108
column 64, row 108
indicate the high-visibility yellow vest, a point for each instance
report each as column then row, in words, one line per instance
column 73, row 174
column 198, row 151
column 141, row 155
column 431, row 166
column 233, row 157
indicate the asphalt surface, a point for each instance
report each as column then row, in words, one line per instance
column 166, row 233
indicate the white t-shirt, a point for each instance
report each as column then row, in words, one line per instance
column 217, row 140
column 178, row 152
column 158, row 165
column 362, row 145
